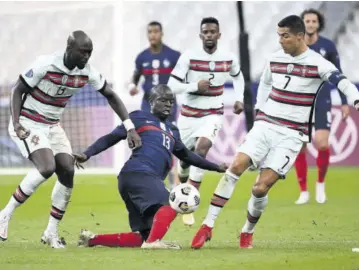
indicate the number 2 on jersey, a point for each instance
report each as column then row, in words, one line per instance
column 166, row 141
column 155, row 79
column 288, row 80
column 211, row 78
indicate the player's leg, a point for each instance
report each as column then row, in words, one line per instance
column 323, row 119
column 301, row 167
column 126, row 239
column 173, row 178
column 276, row 165
column 37, row 149
column 321, row 140
column 62, row 190
column 251, row 152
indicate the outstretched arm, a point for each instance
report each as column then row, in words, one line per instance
column 191, row 158
column 105, row 142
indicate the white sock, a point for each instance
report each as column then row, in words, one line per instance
column 220, row 197
column 182, row 172
column 60, row 199
column 27, row 186
column 195, row 176
column 255, row 209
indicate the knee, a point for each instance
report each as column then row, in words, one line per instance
column 322, row 144
column 239, row 164
column 260, row 189
column 47, row 170
column 203, row 147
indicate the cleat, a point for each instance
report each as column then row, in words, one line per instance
column 303, row 198
column 84, row 238
column 320, row 196
column 53, row 240
column 246, row 240
column 188, row 219
column 203, row 235
column 4, row 224
column 160, row 245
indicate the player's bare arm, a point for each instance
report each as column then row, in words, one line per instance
column 133, row 86
column 15, row 103
column 134, row 141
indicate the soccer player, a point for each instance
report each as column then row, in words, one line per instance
column 155, row 65
column 200, row 74
column 37, row 102
column 314, row 23
column 286, row 95
column 140, row 181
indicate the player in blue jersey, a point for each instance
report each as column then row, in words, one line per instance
column 140, row 181
column 314, row 23
column 155, row 64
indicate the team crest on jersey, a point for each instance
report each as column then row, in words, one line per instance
column 29, row 74
column 76, row 81
column 290, row 68
column 166, row 63
column 64, row 79
column 212, row 65
column 155, row 63
column 323, row 52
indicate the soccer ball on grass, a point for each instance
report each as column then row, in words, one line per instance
column 184, row 198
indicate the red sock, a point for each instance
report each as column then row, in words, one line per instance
column 130, row 239
column 301, row 167
column 322, row 164
column 161, row 223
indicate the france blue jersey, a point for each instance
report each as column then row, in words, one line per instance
column 159, row 141
column 156, row 67
column 328, row 50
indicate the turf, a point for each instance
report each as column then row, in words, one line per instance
column 288, row 236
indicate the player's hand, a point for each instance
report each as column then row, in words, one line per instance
column 345, row 111
column 133, row 139
column 238, row 107
column 78, row 159
column 21, row 132
column 222, row 167
column 356, row 105
column 203, row 85
column 134, row 91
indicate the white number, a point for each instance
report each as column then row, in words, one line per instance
column 155, row 79
column 166, row 141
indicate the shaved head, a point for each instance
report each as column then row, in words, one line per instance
column 78, row 50
column 161, row 100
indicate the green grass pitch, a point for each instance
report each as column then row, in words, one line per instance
column 288, row 236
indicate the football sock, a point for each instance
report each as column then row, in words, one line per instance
column 161, row 223
column 322, row 164
column 60, row 199
column 27, row 186
column 220, row 197
column 195, row 176
column 255, row 209
column 301, row 168
column 171, row 180
column 183, row 173
column 130, row 239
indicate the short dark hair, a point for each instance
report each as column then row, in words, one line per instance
column 209, row 20
column 320, row 17
column 294, row 23
column 155, row 23
column 158, row 90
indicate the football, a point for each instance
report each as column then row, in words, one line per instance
column 184, row 198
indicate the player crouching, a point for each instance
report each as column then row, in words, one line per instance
column 140, row 181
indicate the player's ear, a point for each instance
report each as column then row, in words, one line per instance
column 219, row 35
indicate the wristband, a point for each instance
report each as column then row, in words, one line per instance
column 128, row 124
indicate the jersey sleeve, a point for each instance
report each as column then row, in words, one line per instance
column 96, row 80
column 333, row 57
column 138, row 63
column 235, row 68
column 182, row 67
column 325, row 69
column 34, row 74
column 264, row 87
